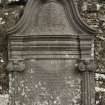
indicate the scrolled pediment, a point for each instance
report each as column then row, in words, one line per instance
column 51, row 16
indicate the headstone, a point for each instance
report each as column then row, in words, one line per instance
column 51, row 56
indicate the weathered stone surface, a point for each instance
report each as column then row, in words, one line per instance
column 50, row 41
column 48, row 82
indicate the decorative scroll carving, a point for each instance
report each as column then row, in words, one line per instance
column 87, row 65
column 72, row 14
column 16, row 66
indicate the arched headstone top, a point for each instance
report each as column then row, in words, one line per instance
column 57, row 12
column 50, row 19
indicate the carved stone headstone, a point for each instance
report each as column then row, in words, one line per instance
column 51, row 52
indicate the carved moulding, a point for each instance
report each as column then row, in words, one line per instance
column 71, row 11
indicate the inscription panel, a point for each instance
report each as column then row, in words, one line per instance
column 48, row 82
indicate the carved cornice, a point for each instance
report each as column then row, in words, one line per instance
column 71, row 12
column 49, row 46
